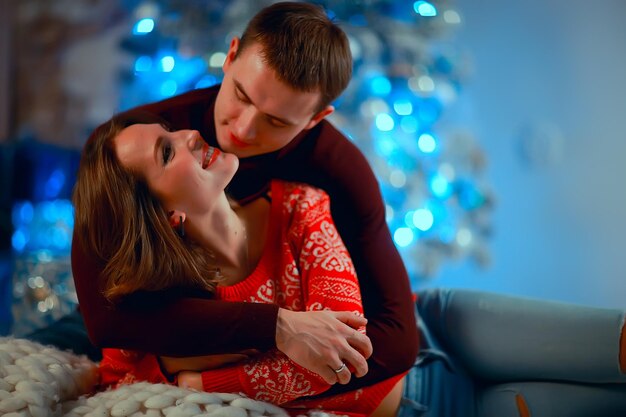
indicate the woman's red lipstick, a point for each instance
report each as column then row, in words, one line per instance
column 210, row 155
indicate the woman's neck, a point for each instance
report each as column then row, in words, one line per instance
column 236, row 236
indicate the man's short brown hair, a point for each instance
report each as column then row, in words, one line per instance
column 305, row 48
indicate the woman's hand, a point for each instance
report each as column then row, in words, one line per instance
column 190, row 380
column 321, row 341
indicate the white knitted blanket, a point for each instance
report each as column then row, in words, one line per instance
column 35, row 379
column 42, row 381
column 155, row 400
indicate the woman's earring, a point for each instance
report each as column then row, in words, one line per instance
column 181, row 227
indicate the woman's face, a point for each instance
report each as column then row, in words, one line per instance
column 182, row 171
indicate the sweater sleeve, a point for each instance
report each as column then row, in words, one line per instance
column 171, row 322
column 271, row 377
column 329, row 279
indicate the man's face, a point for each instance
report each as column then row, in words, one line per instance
column 255, row 113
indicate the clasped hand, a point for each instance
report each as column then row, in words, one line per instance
column 322, row 341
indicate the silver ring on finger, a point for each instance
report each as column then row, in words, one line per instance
column 341, row 368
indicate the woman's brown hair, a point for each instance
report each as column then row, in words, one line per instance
column 124, row 226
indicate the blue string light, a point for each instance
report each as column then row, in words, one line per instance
column 55, row 183
column 403, row 107
column 403, row 236
column 440, row 186
column 143, row 26
column 423, row 219
column 427, row 143
column 22, row 213
column 167, row 63
column 143, row 64
column 384, row 122
column 19, row 239
column 381, row 86
column 408, row 218
column 425, row 9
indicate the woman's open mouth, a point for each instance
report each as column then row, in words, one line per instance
column 210, row 155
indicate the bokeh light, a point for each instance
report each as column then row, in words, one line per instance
column 144, row 26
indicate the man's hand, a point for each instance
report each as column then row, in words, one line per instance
column 321, row 341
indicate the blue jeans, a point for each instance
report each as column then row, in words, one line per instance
column 491, row 355
column 436, row 385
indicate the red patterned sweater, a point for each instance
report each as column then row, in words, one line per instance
column 304, row 266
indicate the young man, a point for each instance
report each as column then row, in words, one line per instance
column 279, row 82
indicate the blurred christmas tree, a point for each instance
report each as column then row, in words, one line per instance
column 405, row 76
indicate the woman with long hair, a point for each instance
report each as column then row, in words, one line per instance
column 151, row 205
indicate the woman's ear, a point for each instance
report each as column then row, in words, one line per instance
column 176, row 217
column 177, row 221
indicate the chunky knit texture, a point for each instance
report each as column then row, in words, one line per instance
column 35, row 380
column 42, row 381
column 160, row 400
